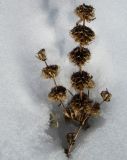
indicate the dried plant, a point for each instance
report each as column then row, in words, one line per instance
column 80, row 107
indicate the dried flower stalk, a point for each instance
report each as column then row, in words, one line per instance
column 80, row 108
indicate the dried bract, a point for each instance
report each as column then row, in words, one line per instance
column 41, row 55
column 81, row 80
column 58, row 93
column 90, row 84
column 79, row 56
column 50, row 71
column 106, row 95
column 70, row 138
column 85, row 12
column 53, row 120
column 95, row 110
column 82, row 34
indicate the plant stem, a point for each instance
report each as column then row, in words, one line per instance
column 81, row 92
column 46, row 63
column 62, row 104
column 70, row 92
column 54, row 81
column 88, row 93
column 76, row 135
column 83, row 22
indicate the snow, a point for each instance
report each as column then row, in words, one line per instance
column 29, row 25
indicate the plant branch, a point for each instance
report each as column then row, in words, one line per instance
column 76, row 135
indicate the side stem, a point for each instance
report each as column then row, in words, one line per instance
column 76, row 135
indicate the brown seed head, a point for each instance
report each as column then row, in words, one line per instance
column 85, row 12
column 41, row 55
column 82, row 34
column 79, row 56
column 58, row 93
column 77, row 107
column 50, row 71
column 81, row 80
column 77, row 102
column 106, row 95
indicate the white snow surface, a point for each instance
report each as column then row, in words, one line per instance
column 26, row 26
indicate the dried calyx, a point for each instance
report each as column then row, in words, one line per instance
column 41, row 55
column 106, row 95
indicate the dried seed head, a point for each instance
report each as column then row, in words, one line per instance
column 79, row 55
column 77, row 107
column 77, row 102
column 58, row 93
column 95, row 110
column 41, row 55
column 85, row 12
column 81, row 80
column 82, row 34
column 106, row 95
column 50, row 71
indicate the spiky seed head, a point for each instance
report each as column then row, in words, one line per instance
column 82, row 34
column 85, row 12
column 77, row 102
column 81, row 80
column 79, row 56
column 77, row 107
column 41, row 55
column 95, row 110
column 106, row 95
column 50, row 71
column 58, row 93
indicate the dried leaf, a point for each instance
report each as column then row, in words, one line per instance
column 53, row 120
